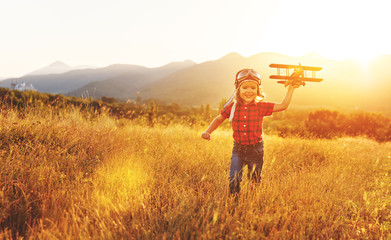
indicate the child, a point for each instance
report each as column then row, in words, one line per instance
column 246, row 113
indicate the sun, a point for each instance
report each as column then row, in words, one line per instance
column 331, row 29
column 365, row 59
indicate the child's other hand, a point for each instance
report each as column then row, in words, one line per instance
column 205, row 135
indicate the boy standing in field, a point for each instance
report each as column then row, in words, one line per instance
column 246, row 113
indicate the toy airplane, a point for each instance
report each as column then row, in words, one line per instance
column 299, row 75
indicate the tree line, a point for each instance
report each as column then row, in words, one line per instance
column 315, row 124
column 333, row 124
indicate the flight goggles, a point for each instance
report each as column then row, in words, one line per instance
column 247, row 74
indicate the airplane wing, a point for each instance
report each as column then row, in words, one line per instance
column 273, row 65
column 306, row 79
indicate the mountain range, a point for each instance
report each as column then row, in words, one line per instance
column 347, row 84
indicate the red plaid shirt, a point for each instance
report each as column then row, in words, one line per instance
column 247, row 121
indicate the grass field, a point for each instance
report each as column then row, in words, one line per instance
column 68, row 175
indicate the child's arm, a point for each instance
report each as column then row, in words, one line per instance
column 213, row 125
column 278, row 107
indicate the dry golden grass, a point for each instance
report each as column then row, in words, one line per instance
column 65, row 176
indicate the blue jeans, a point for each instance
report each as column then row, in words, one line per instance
column 242, row 155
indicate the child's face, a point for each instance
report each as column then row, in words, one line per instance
column 248, row 92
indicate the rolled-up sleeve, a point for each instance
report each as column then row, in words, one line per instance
column 226, row 112
column 266, row 108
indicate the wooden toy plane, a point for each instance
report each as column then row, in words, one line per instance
column 300, row 74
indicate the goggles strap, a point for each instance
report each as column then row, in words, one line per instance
column 231, row 115
column 229, row 100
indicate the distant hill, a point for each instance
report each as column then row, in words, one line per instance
column 54, row 68
column 57, row 67
column 73, row 80
column 125, row 86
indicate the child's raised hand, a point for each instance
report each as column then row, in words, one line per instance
column 205, row 135
column 295, row 84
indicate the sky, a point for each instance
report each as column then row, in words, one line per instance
column 153, row 33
